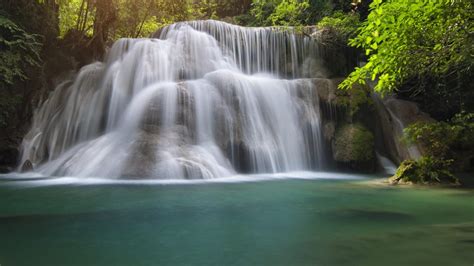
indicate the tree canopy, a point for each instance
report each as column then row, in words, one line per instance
column 19, row 49
column 404, row 39
column 294, row 12
column 139, row 18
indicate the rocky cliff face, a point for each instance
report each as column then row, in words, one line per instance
column 376, row 127
column 394, row 115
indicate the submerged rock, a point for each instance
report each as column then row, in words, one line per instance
column 375, row 215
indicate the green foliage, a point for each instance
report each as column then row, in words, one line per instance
column 69, row 16
column 8, row 104
column 426, row 170
column 289, row 13
column 206, row 9
column 138, row 18
column 320, row 9
column 18, row 50
column 444, row 140
column 405, row 38
column 448, row 146
column 345, row 24
column 352, row 99
column 261, row 11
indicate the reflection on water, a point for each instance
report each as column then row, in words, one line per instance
column 282, row 222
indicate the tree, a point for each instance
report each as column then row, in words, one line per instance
column 340, row 27
column 18, row 50
column 299, row 12
column 105, row 17
column 405, row 39
column 290, row 13
column 261, row 11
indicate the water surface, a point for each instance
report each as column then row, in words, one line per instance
column 327, row 221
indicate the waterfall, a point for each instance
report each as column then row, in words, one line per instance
column 386, row 164
column 201, row 99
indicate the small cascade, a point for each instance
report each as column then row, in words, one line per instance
column 387, row 166
column 394, row 115
column 201, row 100
column 413, row 151
column 265, row 49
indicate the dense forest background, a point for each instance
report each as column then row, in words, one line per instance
column 418, row 50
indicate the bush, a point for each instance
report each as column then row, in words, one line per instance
column 293, row 12
column 289, row 13
column 407, row 39
column 444, row 140
column 448, row 146
column 426, row 170
column 343, row 25
column 18, row 51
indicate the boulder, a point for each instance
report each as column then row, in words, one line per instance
column 407, row 112
column 393, row 116
column 327, row 89
column 353, row 148
column 329, row 131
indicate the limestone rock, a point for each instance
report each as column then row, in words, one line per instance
column 353, row 147
column 394, row 115
column 329, row 131
column 27, row 166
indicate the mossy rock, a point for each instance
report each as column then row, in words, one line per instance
column 426, row 170
column 353, row 147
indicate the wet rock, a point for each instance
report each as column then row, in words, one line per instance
column 407, row 112
column 148, row 148
column 27, row 166
column 353, row 148
column 393, row 116
column 327, row 89
column 239, row 155
column 329, row 131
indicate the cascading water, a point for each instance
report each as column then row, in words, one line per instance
column 202, row 99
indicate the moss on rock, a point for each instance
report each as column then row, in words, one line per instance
column 426, row 170
column 353, row 146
